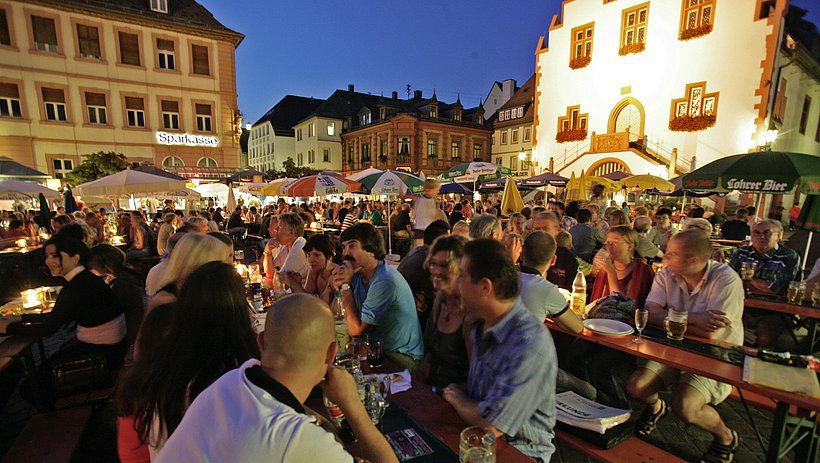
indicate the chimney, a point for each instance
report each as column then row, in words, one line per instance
column 417, row 94
column 350, row 88
column 395, row 95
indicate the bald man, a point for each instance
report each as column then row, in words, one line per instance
column 255, row 413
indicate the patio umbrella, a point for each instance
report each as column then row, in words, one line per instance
column 320, row 185
column 496, row 184
column 617, row 175
column 511, row 200
column 475, row 172
column 759, row 172
column 363, row 173
column 578, row 187
column 212, row 190
column 454, row 188
column 274, row 188
column 129, row 182
column 45, row 213
column 392, row 183
column 545, row 179
column 809, row 219
column 15, row 189
column 679, row 191
column 69, row 203
column 647, row 182
column 231, row 204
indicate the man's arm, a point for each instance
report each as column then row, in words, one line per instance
column 468, row 409
column 570, row 322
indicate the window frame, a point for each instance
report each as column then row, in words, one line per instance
column 127, row 30
column 700, row 29
column 40, row 86
column 504, row 137
column 158, row 8
column 527, row 134
column 161, row 114
column 208, row 47
column 325, row 154
column 432, row 148
column 87, row 109
column 20, row 101
column 206, row 158
column 514, row 136
column 588, row 37
column 455, row 150
column 172, row 157
column 478, row 148
column 804, row 115
column 75, row 25
column 7, row 12
column 60, row 48
column 209, row 118
column 156, row 52
column 331, row 128
column 126, row 110
column 636, row 46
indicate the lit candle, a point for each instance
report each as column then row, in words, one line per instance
column 30, row 298
column 21, row 243
column 241, row 269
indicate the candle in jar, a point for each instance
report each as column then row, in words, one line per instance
column 30, row 298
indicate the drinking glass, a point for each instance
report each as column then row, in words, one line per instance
column 374, row 403
column 375, row 353
column 794, row 293
column 747, row 272
column 641, row 318
column 675, row 323
column 815, row 295
column 476, row 445
column 358, row 345
column 239, row 255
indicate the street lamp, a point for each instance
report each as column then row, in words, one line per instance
column 766, row 139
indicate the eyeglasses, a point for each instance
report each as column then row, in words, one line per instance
column 613, row 243
column 442, row 265
column 766, row 233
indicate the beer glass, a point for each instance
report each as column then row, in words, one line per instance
column 675, row 323
column 476, row 445
column 747, row 272
column 796, row 290
column 815, row 295
column 375, row 354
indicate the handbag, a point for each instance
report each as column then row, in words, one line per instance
column 613, row 307
column 82, row 373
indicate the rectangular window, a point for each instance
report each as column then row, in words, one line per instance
column 780, row 101
column 311, row 130
column 365, row 152
column 697, row 17
column 633, row 26
column 455, row 150
column 817, row 133
column 331, row 129
column 88, row 40
column 5, row 32
column 311, row 159
column 199, row 54
column 477, row 151
column 432, row 148
column 515, row 136
column 135, row 111
column 95, row 106
column 203, row 117
column 513, row 163
column 582, row 41
column 404, row 150
column 166, row 57
column 45, row 34
column 804, row 117
column 299, row 134
column 170, row 115
column 497, row 160
column 129, row 49
column 10, row 101
column 160, row 6
column 300, row 159
column 325, row 155
column 54, row 100
column 527, row 133
column 62, row 167
column 520, row 111
column 504, row 137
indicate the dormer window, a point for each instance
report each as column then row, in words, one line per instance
column 365, row 119
column 457, row 115
column 433, row 112
column 160, row 6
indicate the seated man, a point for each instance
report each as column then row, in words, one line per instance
column 737, row 228
column 562, row 272
column 645, row 248
column 586, row 239
column 379, row 300
column 290, row 257
column 511, row 381
column 713, row 295
column 486, row 226
column 256, row 412
column 660, row 233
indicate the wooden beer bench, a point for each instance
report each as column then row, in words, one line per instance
column 632, row 449
column 50, row 437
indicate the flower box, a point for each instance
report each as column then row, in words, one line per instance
column 688, row 34
column 691, row 124
column 570, row 135
column 632, row 48
column 580, row 62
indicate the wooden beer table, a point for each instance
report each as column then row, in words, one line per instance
column 788, row 431
column 805, row 311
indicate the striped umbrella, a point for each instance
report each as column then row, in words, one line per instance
column 320, row 185
column 392, row 182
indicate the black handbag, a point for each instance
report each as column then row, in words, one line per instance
column 82, row 373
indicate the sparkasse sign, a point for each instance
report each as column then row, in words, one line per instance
column 186, row 139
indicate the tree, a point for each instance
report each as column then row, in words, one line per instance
column 289, row 169
column 97, row 165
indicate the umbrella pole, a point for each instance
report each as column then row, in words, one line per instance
column 806, row 255
column 389, row 230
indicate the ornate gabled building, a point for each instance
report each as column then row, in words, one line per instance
column 153, row 79
column 662, row 86
column 512, row 131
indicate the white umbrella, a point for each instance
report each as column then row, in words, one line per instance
column 15, row 189
column 212, row 190
column 364, row 173
column 129, row 182
column 231, row 205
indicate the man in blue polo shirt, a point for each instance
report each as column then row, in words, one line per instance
column 382, row 299
column 511, row 383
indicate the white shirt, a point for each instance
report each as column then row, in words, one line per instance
column 720, row 289
column 293, row 259
column 541, row 297
column 234, row 420
column 155, row 275
column 424, row 211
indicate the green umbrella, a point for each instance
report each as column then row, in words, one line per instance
column 475, row 172
column 809, row 218
column 389, row 183
column 760, row 172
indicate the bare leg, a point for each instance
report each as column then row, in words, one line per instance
column 690, row 406
column 644, row 385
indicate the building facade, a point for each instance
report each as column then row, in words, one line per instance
column 154, row 80
column 512, row 132
column 273, row 137
column 318, row 142
column 657, row 86
column 500, row 93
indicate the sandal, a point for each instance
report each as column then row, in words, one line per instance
column 721, row 453
column 648, row 421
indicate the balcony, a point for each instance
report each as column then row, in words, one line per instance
column 609, row 143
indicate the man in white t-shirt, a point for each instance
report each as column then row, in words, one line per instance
column 425, row 209
column 255, row 413
column 712, row 294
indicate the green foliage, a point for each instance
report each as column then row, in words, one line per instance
column 97, row 165
column 289, row 169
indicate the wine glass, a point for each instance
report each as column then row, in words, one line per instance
column 374, row 403
column 641, row 318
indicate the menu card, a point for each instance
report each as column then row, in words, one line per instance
column 408, row 444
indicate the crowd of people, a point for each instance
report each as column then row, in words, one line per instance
column 464, row 311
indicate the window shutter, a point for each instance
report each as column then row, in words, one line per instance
column 170, row 106
column 9, row 91
column 166, row 45
column 5, row 37
column 53, row 95
column 203, row 109
column 44, row 30
column 129, row 49
column 134, row 103
column 200, row 58
column 94, row 99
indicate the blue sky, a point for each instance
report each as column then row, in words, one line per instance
column 312, row 47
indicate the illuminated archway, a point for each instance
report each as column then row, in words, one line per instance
column 628, row 116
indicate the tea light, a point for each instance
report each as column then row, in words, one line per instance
column 21, row 243
column 315, row 225
column 241, row 269
column 116, row 240
column 31, row 298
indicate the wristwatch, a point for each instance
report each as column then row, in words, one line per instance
column 345, row 287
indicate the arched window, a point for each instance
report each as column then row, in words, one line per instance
column 206, row 162
column 608, row 167
column 172, row 161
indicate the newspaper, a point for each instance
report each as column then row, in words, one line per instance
column 581, row 412
column 785, row 378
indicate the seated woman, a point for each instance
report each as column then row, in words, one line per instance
column 620, row 270
column 86, row 300
column 446, row 336
column 109, row 262
column 210, row 333
column 320, row 250
column 140, row 237
column 190, row 253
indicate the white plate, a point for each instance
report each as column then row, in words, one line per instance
column 607, row 327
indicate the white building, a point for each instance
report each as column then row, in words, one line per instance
column 512, row 131
column 659, row 86
column 273, row 138
column 499, row 94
